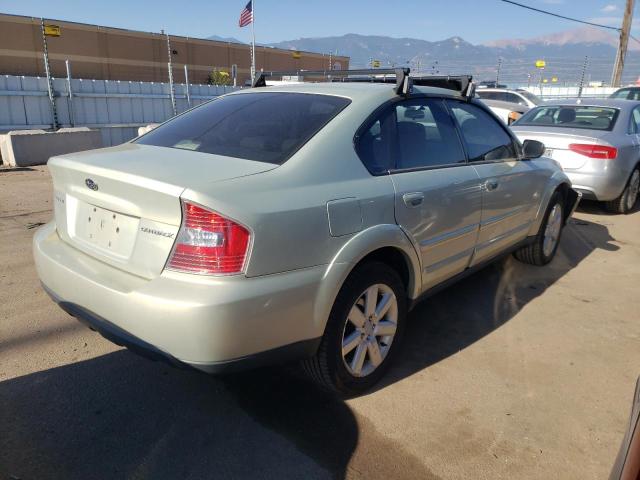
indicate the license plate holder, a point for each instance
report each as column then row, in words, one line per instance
column 107, row 230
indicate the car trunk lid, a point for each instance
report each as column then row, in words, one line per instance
column 122, row 204
column 557, row 144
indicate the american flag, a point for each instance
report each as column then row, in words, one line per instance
column 246, row 15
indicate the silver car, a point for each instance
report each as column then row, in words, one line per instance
column 597, row 142
column 294, row 222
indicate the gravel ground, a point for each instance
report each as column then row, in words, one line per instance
column 515, row 372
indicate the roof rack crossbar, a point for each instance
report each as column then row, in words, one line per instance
column 401, row 76
column 331, row 73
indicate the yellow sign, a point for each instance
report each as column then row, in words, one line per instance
column 541, row 64
column 52, row 30
column 554, row 79
column 375, row 64
column 296, row 54
column 545, row 80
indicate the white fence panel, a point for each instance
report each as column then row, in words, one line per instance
column 115, row 107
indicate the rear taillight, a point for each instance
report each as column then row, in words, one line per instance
column 209, row 243
column 594, row 151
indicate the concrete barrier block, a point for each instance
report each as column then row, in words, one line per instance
column 24, row 148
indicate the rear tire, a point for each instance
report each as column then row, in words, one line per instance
column 353, row 328
column 627, row 199
column 542, row 250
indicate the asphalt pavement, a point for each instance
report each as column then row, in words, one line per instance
column 515, row 372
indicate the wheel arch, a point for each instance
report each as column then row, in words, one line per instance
column 385, row 243
column 557, row 182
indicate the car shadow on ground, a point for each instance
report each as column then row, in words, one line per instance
column 120, row 416
column 457, row 317
column 597, row 208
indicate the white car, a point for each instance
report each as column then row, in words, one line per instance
column 518, row 96
column 505, row 111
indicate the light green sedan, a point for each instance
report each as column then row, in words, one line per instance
column 299, row 222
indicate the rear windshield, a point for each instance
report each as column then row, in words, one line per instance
column 536, row 100
column 267, row 126
column 591, row 118
column 622, row 93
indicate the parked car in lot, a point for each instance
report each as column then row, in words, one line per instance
column 505, row 111
column 295, row 222
column 597, row 142
column 517, row 96
column 626, row 93
column 490, row 84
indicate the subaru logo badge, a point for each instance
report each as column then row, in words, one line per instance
column 91, row 184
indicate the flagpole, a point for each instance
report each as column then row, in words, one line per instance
column 253, row 41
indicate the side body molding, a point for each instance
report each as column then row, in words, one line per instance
column 354, row 250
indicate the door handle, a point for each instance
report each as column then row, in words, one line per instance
column 413, row 199
column 491, row 185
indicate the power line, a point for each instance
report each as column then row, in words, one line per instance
column 560, row 16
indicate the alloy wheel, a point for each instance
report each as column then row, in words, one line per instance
column 369, row 330
column 552, row 230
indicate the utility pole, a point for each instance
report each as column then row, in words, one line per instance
column 498, row 72
column 618, row 66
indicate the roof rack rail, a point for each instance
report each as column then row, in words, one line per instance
column 400, row 76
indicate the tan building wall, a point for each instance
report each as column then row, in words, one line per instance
column 106, row 53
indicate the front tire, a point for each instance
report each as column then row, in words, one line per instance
column 627, row 199
column 363, row 332
column 542, row 250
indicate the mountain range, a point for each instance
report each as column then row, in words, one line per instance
column 564, row 53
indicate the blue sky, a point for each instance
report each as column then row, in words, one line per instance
column 476, row 21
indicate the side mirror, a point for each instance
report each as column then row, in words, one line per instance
column 532, row 149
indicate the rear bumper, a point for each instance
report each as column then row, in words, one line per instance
column 602, row 186
column 212, row 324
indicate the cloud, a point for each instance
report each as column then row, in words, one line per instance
column 609, row 8
column 611, row 21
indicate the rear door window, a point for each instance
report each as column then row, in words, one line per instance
column 266, row 126
column 483, row 136
column 418, row 133
column 426, row 135
column 515, row 98
column 487, row 95
column 634, row 121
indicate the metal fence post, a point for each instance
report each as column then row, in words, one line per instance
column 186, row 85
column 70, row 93
column 172, row 92
column 52, row 101
column 584, row 69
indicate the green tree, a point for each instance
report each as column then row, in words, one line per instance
column 219, row 77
